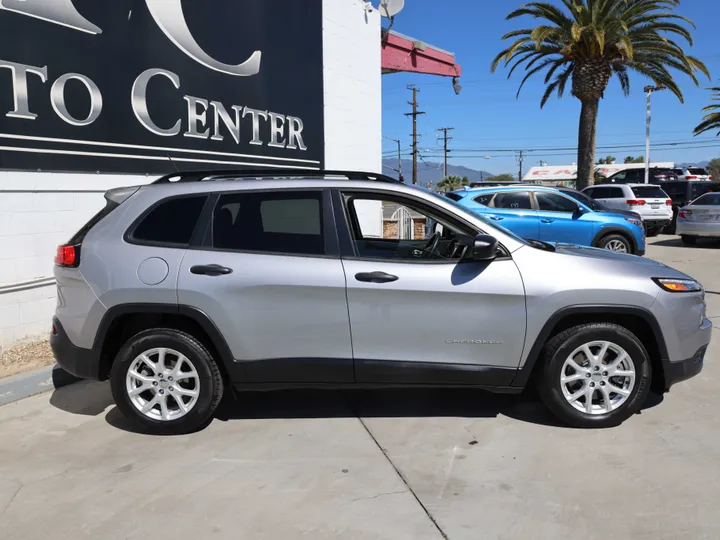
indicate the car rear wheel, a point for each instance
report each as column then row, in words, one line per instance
column 688, row 240
column 166, row 381
column 595, row 375
column 616, row 242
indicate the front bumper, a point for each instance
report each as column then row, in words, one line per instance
column 83, row 363
column 676, row 372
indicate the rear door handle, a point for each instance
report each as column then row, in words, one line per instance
column 375, row 277
column 547, row 221
column 210, row 270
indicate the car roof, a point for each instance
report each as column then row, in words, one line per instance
column 526, row 187
column 643, row 185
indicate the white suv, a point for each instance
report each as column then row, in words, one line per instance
column 693, row 173
column 647, row 200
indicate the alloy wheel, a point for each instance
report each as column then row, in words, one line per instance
column 598, row 377
column 162, row 384
column 616, row 245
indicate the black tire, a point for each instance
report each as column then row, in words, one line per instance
column 688, row 240
column 559, row 348
column 672, row 226
column 654, row 231
column 209, row 377
column 606, row 240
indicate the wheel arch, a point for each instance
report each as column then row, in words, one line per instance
column 123, row 321
column 638, row 320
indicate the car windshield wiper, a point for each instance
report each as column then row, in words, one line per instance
column 545, row 246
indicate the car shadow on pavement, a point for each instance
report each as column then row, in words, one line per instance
column 385, row 403
column 87, row 398
column 676, row 242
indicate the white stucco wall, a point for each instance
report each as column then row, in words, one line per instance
column 40, row 210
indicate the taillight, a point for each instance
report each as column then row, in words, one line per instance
column 67, row 255
column 668, row 202
column 684, row 214
column 638, row 202
column 691, row 177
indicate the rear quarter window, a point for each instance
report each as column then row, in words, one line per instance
column 453, row 196
column 172, row 222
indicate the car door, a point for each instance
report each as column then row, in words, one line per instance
column 430, row 315
column 513, row 210
column 616, row 198
column 563, row 220
column 269, row 275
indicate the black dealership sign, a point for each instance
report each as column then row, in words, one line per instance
column 139, row 86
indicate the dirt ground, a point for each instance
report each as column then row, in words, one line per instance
column 26, row 356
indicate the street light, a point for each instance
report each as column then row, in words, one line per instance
column 399, row 169
column 649, row 90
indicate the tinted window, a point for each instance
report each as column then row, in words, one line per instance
column 273, row 222
column 699, row 172
column 583, row 198
column 519, row 200
column 598, row 192
column 615, row 193
column 453, row 196
column 619, row 177
column 710, row 199
column 675, row 189
column 634, row 175
column 171, row 222
column 698, row 188
column 484, row 199
column 649, row 192
column 552, row 202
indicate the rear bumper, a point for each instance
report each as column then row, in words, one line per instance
column 657, row 221
column 698, row 229
column 83, row 363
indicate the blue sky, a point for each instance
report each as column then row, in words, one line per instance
column 487, row 116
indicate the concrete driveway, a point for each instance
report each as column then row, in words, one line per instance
column 409, row 464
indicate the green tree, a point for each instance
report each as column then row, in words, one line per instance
column 711, row 120
column 451, row 183
column 714, row 168
column 609, row 160
column 590, row 40
column 630, row 159
column 504, row 177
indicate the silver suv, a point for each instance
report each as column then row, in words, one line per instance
column 251, row 280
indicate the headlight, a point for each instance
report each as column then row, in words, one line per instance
column 678, row 285
column 636, row 222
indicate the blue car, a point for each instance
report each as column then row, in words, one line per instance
column 552, row 215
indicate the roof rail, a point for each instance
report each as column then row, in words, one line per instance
column 230, row 174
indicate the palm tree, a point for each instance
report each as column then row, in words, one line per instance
column 589, row 41
column 712, row 119
column 451, row 183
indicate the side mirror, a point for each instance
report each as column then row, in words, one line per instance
column 484, row 248
column 580, row 211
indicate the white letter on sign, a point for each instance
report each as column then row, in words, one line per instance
column 60, row 12
column 20, row 87
column 57, row 99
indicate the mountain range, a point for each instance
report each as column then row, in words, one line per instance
column 432, row 172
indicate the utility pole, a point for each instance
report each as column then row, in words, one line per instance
column 520, row 157
column 414, row 115
column 446, row 139
column 649, row 90
column 399, row 169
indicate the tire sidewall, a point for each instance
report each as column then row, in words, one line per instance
column 643, row 376
column 182, row 343
column 628, row 245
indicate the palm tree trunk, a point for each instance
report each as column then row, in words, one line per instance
column 586, row 142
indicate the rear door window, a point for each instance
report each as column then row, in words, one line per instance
column 513, row 200
column 171, row 222
column 649, row 192
column 552, row 202
column 615, row 193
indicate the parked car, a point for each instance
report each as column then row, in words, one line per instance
column 700, row 218
column 637, row 176
column 183, row 288
column 546, row 214
column 692, row 173
column 596, row 205
column 683, row 192
column 648, row 200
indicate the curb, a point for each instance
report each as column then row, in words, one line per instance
column 28, row 384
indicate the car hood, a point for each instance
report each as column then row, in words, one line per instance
column 604, row 254
column 624, row 213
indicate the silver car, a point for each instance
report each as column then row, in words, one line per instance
column 699, row 219
column 257, row 280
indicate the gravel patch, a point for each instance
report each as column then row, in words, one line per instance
column 26, row 356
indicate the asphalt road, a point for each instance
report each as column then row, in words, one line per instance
column 409, row 464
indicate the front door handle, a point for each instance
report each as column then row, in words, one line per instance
column 375, row 277
column 496, row 218
column 210, row 270
column 547, row 221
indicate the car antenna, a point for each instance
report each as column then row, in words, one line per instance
column 173, row 163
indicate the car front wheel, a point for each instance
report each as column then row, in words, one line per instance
column 166, row 381
column 595, row 375
column 616, row 242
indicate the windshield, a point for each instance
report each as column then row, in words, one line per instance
column 584, row 199
column 649, row 192
column 698, row 172
column 709, row 199
column 699, row 188
column 464, row 211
